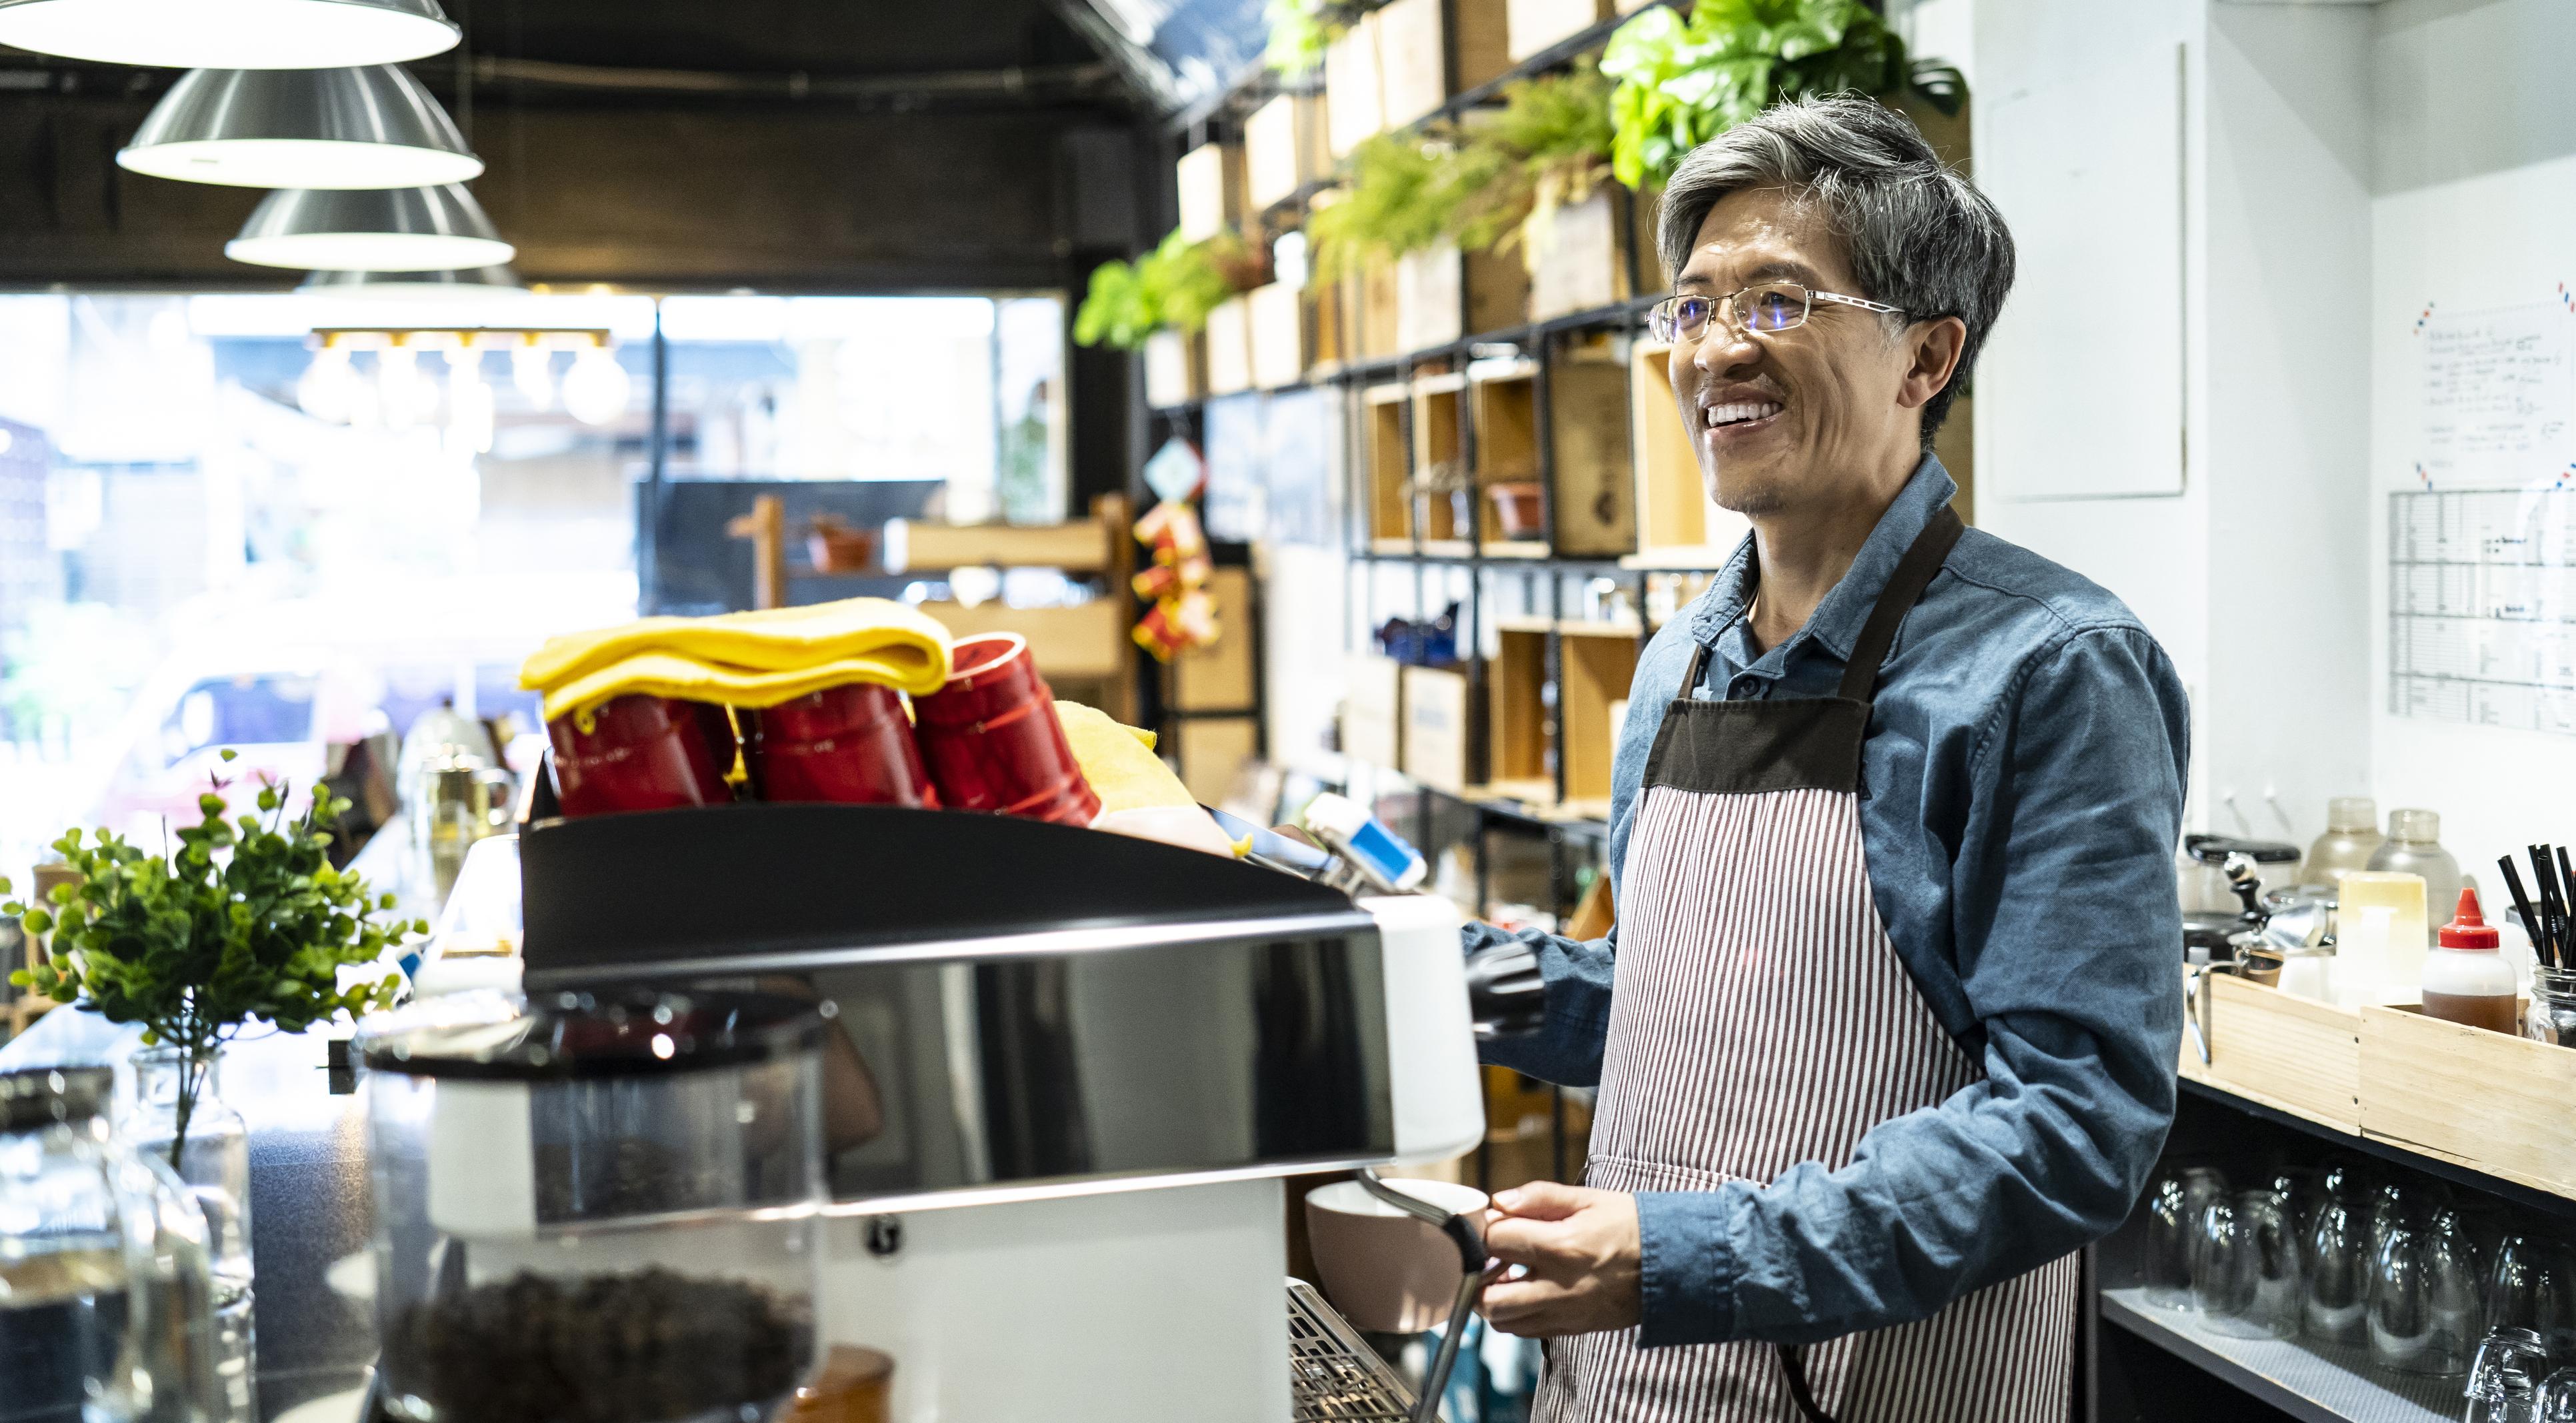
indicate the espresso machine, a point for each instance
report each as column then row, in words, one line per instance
column 1066, row 1074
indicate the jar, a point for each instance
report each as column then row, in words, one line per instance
column 2414, row 847
column 2352, row 834
column 106, row 1300
column 603, row 1206
column 2551, row 1015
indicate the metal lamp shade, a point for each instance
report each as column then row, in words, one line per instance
column 372, row 127
column 414, row 286
column 439, row 229
column 230, row 34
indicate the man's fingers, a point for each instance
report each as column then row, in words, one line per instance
column 1523, row 1242
column 1511, row 1301
column 1541, row 1200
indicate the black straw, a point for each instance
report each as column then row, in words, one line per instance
column 2553, row 904
column 2540, row 945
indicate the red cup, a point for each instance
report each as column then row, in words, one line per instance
column 642, row 753
column 849, row 744
column 992, row 740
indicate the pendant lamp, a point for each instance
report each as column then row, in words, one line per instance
column 370, row 127
column 409, row 286
column 230, row 34
column 439, row 229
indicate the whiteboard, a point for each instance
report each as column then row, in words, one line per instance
column 2080, row 389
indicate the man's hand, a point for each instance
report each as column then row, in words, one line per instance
column 1578, row 1249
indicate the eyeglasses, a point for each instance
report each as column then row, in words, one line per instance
column 1767, row 307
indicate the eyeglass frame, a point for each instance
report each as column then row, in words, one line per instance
column 1664, row 322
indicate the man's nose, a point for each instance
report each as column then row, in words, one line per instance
column 1724, row 346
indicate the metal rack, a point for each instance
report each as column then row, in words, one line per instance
column 1334, row 1376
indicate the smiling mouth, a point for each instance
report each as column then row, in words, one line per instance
column 1737, row 417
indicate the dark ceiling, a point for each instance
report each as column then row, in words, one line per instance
column 872, row 37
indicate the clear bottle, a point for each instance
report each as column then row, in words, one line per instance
column 2466, row 979
column 106, row 1308
column 2414, row 847
column 2352, row 834
column 214, row 1165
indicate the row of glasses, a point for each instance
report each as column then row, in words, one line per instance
column 2530, row 1309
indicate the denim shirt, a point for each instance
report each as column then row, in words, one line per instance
column 2021, row 794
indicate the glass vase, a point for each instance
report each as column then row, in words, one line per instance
column 213, row 1161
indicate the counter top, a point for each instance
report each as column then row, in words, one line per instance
column 308, row 1189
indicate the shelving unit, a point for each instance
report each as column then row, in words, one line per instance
column 2299, row 1380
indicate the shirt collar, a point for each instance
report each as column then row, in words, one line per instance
column 1837, row 621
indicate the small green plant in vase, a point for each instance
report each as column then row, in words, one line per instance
column 244, row 920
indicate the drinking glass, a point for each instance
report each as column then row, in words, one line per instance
column 2504, row 1382
column 2174, row 1205
column 2247, row 1286
column 2557, row 1401
column 2423, row 1304
column 2337, row 1294
column 2532, row 1286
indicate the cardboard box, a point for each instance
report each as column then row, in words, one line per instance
column 1373, row 710
column 1210, row 178
column 1354, row 97
column 1284, row 149
column 1435, row 728
column 1536, row 24
column 1280, row 348
column 1229, row 348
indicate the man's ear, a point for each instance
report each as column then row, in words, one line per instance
column 1935, row 347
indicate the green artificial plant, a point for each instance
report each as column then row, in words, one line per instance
column 246, row 920
column 1301, row 30
column 1174, row 286
column 1682, row 81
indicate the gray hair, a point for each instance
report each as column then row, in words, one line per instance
column 1920, row 236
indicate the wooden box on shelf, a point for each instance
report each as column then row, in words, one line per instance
column 1331, row 317
column 2490, row 1101
column 1441, row 483
column 1219, row 677
column 1677, row 526
column 1595, row 490
column 1583, row 254
column 2290, row 1053
column 1390, row 497
column 1373, row 710
column 1503, row 396
column 1422, row 45
column 1210, row 178
column 1082, row 642
column 1354, row 96
column 1536, row 24
column 1435, row 727
column 1175, row 369
column 1375, row 318
column 1212, row 751
column 1283, row 149
column 1444, row 295
column 1598, row 661
column 1280, row 347
column 1516, row 714
column 929, row 546
column 1229, row 348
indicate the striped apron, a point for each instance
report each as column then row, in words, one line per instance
column 1760, row 1017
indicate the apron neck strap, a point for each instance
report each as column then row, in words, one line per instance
column 1913, row 574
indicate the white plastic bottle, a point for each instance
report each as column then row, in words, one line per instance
column 2466, row 977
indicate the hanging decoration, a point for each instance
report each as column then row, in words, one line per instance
column 1184, row 613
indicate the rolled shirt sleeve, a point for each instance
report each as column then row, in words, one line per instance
column 2065, row 926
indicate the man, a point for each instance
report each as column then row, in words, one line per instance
column 1887, row 1028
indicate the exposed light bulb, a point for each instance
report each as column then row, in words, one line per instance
column 596, row 388
column 326, row 389
column 398, row 386
column 469, row 404
column 532, row 371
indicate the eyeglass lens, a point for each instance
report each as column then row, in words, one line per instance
column 1774, row 306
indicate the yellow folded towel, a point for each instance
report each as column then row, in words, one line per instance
column 1119, row 761
column 743, row 659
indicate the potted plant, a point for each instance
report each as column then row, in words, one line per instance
column 245, row 920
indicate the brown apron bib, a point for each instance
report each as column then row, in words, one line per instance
column 1759, row 1018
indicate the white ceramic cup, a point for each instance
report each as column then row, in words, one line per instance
column 1388, row 1272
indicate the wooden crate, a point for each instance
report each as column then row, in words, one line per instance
column 1444, row 295
column 1212, row 753
column 1600, row 660
column 1354, row 94
column 1595, row 491
column 1435, row 728
column 1280, row 348
column 1436, row 462
column 1084, row 641
column 1390, row 500
column 1536, row 24
column 1503, row 399
column 2489, row 1101
column 1517, row 723
column 1330, row 316
column 1426, row 46
column 1219, row 678
column 1175, row 368
column 1676, row 523
column 1373, row 302
column 1284, row 149
column 1373, row 710
column 1229, row 348
column 923, row 545
column 1579, row 256
column 2293, row 1054
column 1210, row 178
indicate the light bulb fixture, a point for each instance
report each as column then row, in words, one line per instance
column 231, row 34
column 370, row 127
column 370, row 230
column 595, row 390
column 407, row 286
column 532, row 371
